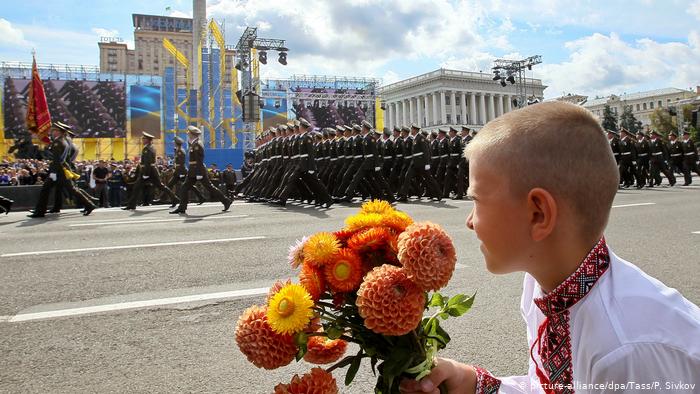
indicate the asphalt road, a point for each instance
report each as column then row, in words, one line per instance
column 67, row 283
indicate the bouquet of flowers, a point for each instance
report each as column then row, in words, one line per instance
column 373, row 284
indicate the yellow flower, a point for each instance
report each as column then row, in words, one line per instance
column 397, row 221
column 377, row 206
column 363, row 221
column 290, row 310
column 320, row 248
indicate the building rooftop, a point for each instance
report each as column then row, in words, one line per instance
column 635, row 96
column 161, row 23
column 445, row 73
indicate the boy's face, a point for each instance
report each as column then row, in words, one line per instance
column 498, row 218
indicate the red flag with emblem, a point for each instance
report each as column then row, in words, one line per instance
column 38, row 116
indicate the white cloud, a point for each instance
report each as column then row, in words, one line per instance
column 603, row 64
column 180, row 14
column 694, row 9
column 11, row 36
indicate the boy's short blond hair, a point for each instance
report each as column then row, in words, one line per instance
column 559, row 147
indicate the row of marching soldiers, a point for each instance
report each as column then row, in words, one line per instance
column 643, row 159
column 339, row 164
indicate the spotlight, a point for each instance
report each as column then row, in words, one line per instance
column 497, row 76
column 511, row 79
column 529, row 66
column 241, row 65
column 262, row 56
column 503, row 83
column 283, row 58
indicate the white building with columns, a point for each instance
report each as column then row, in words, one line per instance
column 450, row 97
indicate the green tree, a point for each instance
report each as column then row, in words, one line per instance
column 629, row 121
column 609, row 119
column 662, row 121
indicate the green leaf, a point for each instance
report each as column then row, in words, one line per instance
column 436, row 300
column 459, row 305
column 354, row 367
column 373, row 363
column 301, row 352
column 334, row 332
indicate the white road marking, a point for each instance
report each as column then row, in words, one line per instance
column 696, row 232
column 634, row 205
column 138, row 304
column 204, row 241
column 189, row 219
column 5, row 318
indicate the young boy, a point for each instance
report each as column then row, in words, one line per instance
column 543, row 180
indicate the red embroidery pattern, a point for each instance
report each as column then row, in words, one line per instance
column 485, row 382
column 554, row 334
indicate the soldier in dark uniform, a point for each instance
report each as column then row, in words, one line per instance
column 304, row 173
column 247, row 166
column 690, row 158
column 675, row 151
column 198, row 173
column 614, row 141
column 72, row 155
column 395, row 177
column 643, row 153
column 5, row 205
column 56, row 179
column 628, row 159
column 407, row 156
column 434, row 153
column 463, row 167
column 370, row 168
column 180, row 173
column 228, row 179
column 387, row 153
column 454, row 153
column 419, row 167
column 443, row 157
column 657, row 161
column 147, row 172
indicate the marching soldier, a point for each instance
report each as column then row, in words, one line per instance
column 614, row 141
column 198, row 173
column 690, row 158
column 434, row 153
column 147, row 173
column 463, row 167
column 675, row 151
column 180, row 172
column 387, row 153
column 70, row 164
column 643, row 153
column 56, row 179
column 444, row 157
column 454, row 153
column 657, row 161
column 628, row 159
column 419, row 167
column 228, row 179
column 370, row 168
column 395, row 178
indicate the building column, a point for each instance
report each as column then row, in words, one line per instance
column 443, row 109
column 482, row 108
column 427, row 110
column 387, row 115
column 509, row 103
column 492, row 107
column 403, row 112
column 435, row 109
column 453, row 98
column 411, row 112
column 419, row 111
column 500, row 104
column 463, row 109
column 472, row 109
column 397, row 122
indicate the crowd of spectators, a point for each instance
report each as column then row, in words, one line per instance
column 109, row 181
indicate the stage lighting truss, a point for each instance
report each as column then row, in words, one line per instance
column 515, row 74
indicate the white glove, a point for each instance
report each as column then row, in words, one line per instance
column 427, row 167
column 145, row 176
column 634, row 163
column 53, row 176
column 199, row 177
column 311, row 172
column 123, row 187
column 182, row 176
column 376, row 169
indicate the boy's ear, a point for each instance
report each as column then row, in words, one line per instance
column 543, row 212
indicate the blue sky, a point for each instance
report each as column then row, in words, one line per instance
column 588, row 47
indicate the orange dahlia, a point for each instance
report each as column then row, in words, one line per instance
column 321, row 350
column 317, row 381
column 277, row 286
column 427, row 254
column 376, row 206
column 312, row 279
column 369, row 239
column 397, row 221
column 320, row 248
column 389, row 302
column 343, row 236
column 344, row 272
column 296, row 253
column 261, row 345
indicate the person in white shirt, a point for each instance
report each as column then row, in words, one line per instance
column 595, row 323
